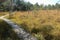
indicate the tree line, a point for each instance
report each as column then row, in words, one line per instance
column 21, row 5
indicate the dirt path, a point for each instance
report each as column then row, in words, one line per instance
column 21, row 33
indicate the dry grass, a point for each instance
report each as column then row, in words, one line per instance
column 37, row 18
column 46, row 22
column 34, row 20
column 3, row 13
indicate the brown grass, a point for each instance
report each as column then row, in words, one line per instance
column 40, row 22
column 3, row 13
column 36, row 19
column 41, row 17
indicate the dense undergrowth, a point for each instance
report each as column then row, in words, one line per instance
column 6, row 32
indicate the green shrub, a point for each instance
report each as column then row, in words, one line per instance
column 6, row 32
column 46, row 28
column 35, row 30
column 39, row 36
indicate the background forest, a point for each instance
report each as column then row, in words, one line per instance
column 22, row 5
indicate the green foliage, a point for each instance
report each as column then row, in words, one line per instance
column 41, row 7
column 35, row 30
column 39, row 36
column 6, row 32
column 46, row 28
column 21, row 5
column 36, row 6
column 43, row 33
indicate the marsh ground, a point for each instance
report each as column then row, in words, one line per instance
column 44, row 24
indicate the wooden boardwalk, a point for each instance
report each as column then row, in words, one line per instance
column 21, row 33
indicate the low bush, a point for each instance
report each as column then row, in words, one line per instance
column 6, row 32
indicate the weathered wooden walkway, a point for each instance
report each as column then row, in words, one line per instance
column 21, row 33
